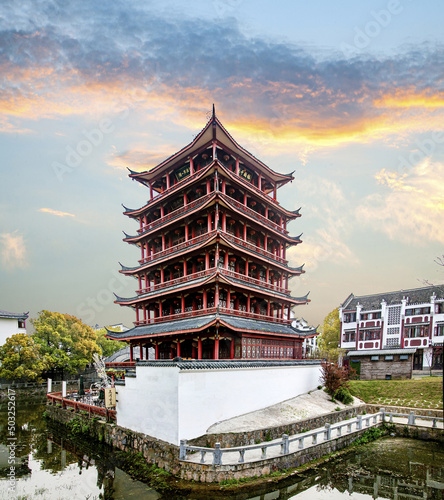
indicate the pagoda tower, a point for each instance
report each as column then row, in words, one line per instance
column 213, row 275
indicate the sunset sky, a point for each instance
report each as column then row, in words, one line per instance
column 349, row 95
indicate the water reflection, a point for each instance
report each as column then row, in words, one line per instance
column 50, row 466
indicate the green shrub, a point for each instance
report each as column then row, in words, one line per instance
column 343, row 395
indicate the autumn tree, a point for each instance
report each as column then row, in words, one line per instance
column 21, row 358
column 66, row 343
column 328, row 340
column 108, row 346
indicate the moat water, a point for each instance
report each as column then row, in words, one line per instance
column 52, row 467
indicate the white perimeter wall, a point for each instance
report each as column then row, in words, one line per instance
column 149, row 403
column 172, row 404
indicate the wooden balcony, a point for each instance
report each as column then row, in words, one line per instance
column 254, row 248
column 213, row 310
column 175, row 214
column 256, row 215
column 178, row 247
column 177, row 281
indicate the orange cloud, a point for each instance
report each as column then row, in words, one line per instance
column 56, row 212
column 140, row 159
column 13, row 251
column 281, row 115
column 411, row 210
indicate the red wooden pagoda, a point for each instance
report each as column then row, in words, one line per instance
column 213, row 275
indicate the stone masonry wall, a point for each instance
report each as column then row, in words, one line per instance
column 377, row 370
column 166, row 455
column 230, row 440
column 155, row 451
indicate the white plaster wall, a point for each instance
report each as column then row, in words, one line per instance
column 206, row 397
column 9, row 327
column 149, row 403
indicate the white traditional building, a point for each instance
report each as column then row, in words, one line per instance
column 405, row 319
column 11, row 323
column 309, row 346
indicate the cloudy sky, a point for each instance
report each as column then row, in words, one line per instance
column 349, row 95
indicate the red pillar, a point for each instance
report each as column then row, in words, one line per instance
column 204, row 299
column 182, row 300
column 141, row 352
column 199, row 348
column 156, row 350
column 216, row 347
column 178, row 349
column 232, row 349
column 209, row 223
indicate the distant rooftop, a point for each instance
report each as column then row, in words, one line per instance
column 413, row 296
column 10, row 315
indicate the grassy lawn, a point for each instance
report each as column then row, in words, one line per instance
column 421, row 392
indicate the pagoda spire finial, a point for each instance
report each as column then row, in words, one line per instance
column 214, row 111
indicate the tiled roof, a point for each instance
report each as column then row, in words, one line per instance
column 381, row 352
column 195, row 323
column 413, row 296
column 200, row 322
column 203, row 364
column 249, row 324
column 10, row 315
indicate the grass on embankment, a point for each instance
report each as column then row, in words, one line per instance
column 421, row 392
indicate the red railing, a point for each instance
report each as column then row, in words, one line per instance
column 177, row 281
column 56, row 397
column 254, row 248
column 262, row 317
column 212, row 310
column 121, row 364
column 176, row 248
column 254, row 214
column 183, row 210
column 253, row 281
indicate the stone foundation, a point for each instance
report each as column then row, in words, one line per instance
column 155, row 451
column 166, row 455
